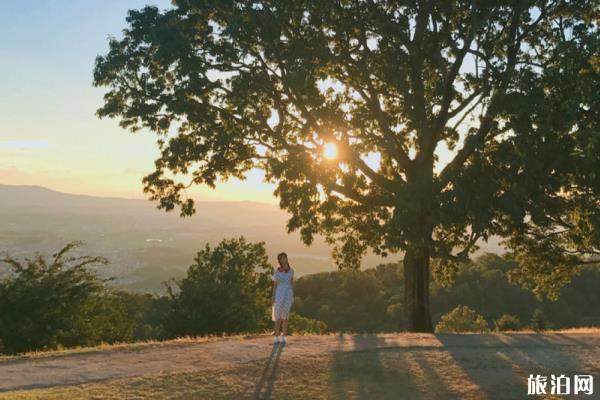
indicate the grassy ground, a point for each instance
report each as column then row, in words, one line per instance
column 369, row 375
column 441, row 367
column 33, row 355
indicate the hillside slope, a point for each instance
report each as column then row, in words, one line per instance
column 147, row 246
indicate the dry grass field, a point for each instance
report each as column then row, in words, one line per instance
column 384, row 366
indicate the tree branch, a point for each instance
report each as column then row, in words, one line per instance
column 475, row 141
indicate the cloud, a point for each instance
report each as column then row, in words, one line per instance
column 11, row 175
column 23, row 144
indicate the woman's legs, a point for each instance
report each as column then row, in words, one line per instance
column 284, row 324
column 277, row 325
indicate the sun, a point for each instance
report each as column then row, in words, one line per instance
column 330, row 151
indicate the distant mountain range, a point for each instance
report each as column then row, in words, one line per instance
column 145, row 245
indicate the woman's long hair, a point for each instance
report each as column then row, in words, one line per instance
column 280, row 256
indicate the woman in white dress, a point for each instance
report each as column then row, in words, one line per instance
column 283, row 297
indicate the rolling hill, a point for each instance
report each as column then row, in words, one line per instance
column 145, row 245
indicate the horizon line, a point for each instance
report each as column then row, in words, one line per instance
column 134, row 198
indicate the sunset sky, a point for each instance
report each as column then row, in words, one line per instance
column 49, row 135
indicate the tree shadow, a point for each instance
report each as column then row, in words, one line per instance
column 435, row 381
column 474, row 366
column 507, row 360
column 264, row 387
column 574, row 341
column 366, row 371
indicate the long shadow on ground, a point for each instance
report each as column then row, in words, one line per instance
column 459, row 366
column 501, row 371
column 264, row 387
column 370, row 372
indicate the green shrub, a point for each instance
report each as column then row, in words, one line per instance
column 508, row 322
column 300, row 324
column 462, row 319
column 46, row 304
column 147, row 312
column 538, row 321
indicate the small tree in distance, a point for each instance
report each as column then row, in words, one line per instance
column 538, row 320
column 226, row 290
column 462, row 319
column 508, row 322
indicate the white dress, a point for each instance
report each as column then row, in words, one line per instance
column 284, row 294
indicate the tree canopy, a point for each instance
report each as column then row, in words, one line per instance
column 509, row 89
column 226, row 290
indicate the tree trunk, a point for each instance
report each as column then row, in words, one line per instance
column 416, row 291
column 419, row 229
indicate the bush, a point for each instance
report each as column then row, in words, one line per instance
column 58, row 303
column 462, row 319
column 508, row 322
column 226, row 291
column 300, row 324
column 538, row 321
column 356, row 301
column 147, row 312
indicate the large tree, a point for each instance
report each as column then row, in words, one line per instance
column 452, row 120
